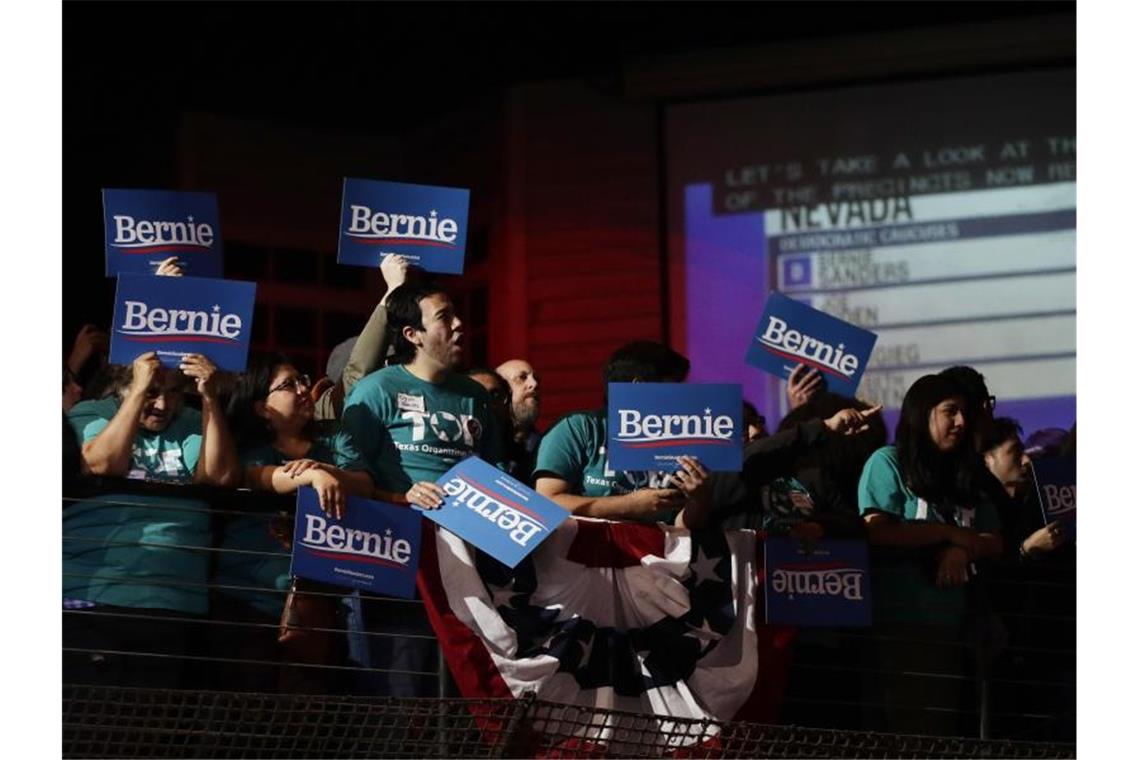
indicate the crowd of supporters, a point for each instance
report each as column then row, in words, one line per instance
column 948, row 507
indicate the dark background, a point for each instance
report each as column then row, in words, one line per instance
column 200, row 95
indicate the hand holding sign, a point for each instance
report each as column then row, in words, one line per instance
column 394, row 269
column 204, row 372
column 1044, row 540
column 170, row 267
column 693, row 480
column 330, row 493
column 144, row 369
column 803, row 383
column 425, row 494
column 490, row 509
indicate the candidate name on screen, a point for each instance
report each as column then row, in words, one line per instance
column 367, row 224
column 352, row 543
column 795, row 344
column 141, row 320
column 633, row 427
column 130, row 233
column 846, row 582
column 522, row 527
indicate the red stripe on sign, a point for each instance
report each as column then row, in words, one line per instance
column 805, row 362
column 614, row 544
column 176, row 339
column 162, row 248
column 403, row 241
column 500, row 498
column 356, row 558
column 675, row 442
column 814, row 566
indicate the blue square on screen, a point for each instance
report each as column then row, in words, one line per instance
column 797, row 271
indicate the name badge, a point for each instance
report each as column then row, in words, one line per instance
column 409, row 403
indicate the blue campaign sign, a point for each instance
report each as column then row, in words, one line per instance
column 649, row 425
column 425, row 224
column 1056, row 480
column 176, row 316
column 143, row 227
column 375, row 547
column 827, row 585
column 792, row 333
column 488, row 508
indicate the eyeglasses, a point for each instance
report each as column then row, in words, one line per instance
column 297, row 384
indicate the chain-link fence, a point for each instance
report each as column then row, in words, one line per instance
column 130, row 722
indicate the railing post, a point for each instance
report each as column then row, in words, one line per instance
column 517, row 721
column 441, row 680
column 984, row 706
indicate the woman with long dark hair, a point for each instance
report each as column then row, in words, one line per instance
column 924, row 507
column 282, row 447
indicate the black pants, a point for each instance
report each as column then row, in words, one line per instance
column 139, row 650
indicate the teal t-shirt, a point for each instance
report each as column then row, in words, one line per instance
column 246, row 533
column 574, row 450
column 119, row 548
column 410, row 430
column 904, row 591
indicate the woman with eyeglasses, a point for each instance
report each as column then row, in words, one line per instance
column 282, row 448
column 929, row 515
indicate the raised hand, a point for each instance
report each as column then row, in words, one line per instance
column 89, row 340
column 204, row 372
column 851, row 421
column 394, row 268
column 171, row 267
column 803, row 383
column 144, row 370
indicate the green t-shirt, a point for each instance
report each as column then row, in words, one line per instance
column 904, row 590
column 574, row 450
column 125, row 573
column 409, row 430
column 245, row 533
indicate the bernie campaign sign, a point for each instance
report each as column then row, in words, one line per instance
column 425, row 224
column 792, row 333
column 650, row 425
column 144, row 227
column 176, row 316
column 1056, row 480
column 488, row 508
column 376, row 546
column 827, row 585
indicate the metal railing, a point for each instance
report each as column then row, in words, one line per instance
column 1021, row 694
